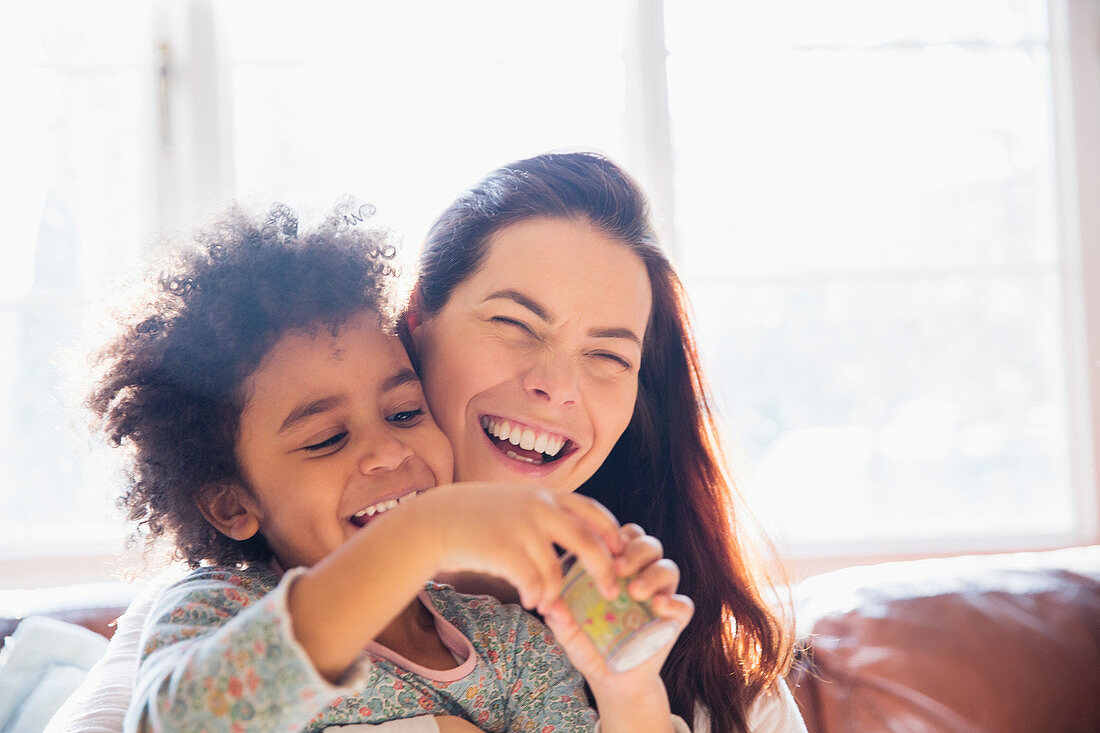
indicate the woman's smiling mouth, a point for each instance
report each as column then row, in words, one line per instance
column 524, row 443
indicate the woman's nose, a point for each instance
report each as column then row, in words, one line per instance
column 383, row 453
column 554, row 378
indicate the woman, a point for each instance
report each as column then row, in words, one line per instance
column 552, row 337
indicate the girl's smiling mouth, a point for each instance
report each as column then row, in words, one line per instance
column 364, row 515
column 525, row 443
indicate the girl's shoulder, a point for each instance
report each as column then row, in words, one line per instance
column 478, row 608
column 218, row 588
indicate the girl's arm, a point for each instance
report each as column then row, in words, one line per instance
column 508, row 531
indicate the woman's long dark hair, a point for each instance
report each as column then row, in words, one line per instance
column 666, row 472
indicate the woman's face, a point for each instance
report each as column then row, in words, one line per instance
column 531, row 368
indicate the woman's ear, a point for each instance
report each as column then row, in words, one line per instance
column 412, row 312
column 230, row 509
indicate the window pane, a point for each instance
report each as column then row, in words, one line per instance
column 80, row 206
column 405, row 104
column 873, row 184
column 894, row 408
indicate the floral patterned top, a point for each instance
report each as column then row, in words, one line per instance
column 219, row 654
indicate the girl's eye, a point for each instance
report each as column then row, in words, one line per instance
column 327, row 443
column 406, row 417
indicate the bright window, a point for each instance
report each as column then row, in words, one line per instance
column 866, row 211
column 77, row 201
column 870, row 202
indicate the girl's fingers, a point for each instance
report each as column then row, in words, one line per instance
column 630, row 531
column 549, row 565
column 591, row 552
column 675, row 607
column 596, row 516
column 660, row 577
column 637, row 554
column 576, row 533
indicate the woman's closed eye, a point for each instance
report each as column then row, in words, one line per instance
column 332, row 442
column 613, row 359
column 520, row 325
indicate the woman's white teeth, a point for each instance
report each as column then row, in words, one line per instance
column 518, row 457
column 523, row 436
column 384, row 506
column 527, row 440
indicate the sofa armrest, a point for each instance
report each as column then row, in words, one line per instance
column 997, row 643
column 95, row 606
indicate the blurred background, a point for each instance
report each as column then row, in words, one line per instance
column 887, row 215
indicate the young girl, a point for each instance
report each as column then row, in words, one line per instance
column 276, row 432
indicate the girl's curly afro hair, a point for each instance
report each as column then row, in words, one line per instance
column 168, row 386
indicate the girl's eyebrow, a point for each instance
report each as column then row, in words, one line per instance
column 305, row 410
column 309, row 409
column 402, row 377
column 530, row 304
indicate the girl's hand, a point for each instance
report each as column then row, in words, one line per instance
column 509, row 530
column 454, row 724
column 655, row 579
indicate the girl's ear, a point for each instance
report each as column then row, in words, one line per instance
column 230, row 509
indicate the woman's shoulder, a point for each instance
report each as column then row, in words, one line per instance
column 774, row 711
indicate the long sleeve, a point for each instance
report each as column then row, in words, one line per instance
column 218, row 651
column 546, row 692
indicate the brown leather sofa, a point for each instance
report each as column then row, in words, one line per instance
column 996, row 644
column 94, row 606
column 1000, row 644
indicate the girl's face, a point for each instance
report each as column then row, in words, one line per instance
column 335, row 429
column 531, row 368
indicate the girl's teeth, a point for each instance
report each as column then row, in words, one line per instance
column 385, row 506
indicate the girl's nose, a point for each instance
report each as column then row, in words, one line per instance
column 385, row 453
column 553, row 378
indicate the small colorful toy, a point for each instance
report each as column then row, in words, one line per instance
column 625, row 631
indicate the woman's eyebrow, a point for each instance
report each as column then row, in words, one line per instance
column 539, row 310
column 615, row 333
column 524, row 300
column 309, row 409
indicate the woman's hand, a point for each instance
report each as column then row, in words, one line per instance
column 509, row 531
column 637, row 694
